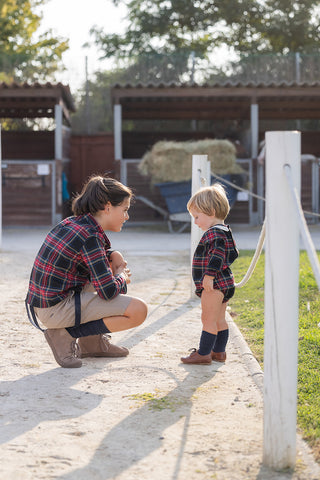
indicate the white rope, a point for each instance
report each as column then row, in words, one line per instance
column 304, row 231
column 255, row 258
column 223, row 180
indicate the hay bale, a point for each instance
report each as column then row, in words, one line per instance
column 172, row 161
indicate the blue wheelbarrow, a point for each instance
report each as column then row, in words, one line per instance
column 177, row 194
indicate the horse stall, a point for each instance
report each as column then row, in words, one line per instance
column 35, row 162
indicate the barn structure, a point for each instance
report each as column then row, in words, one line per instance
column 35, row 163
column 250, row 108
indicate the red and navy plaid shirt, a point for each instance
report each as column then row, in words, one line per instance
column 214, row 254
column 74, row 253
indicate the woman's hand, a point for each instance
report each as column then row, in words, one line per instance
column 207, row 283
column 117, row 262
column 126, row 273
column 119, row 266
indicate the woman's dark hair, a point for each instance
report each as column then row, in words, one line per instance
column 97, row 192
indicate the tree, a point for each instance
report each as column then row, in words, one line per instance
column 273, row 26
column 247, row 26
column 94, row 112
column 163, row 26
column 22, row 57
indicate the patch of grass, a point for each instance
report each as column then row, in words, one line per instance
column 248, row 311
column 155, row 401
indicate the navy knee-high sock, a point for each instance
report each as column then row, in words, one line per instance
column 221, row 342
column 95, row 327
column 207, row 342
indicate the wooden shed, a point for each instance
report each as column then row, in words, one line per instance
column 35, row 162
column 257, row 107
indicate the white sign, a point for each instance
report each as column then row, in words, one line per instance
column 43, row 169
column 242, row 197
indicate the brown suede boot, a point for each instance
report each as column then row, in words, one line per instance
column 64, row 347
column 100, row 346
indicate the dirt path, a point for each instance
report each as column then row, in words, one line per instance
column 143, row 417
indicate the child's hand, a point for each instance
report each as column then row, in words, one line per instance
column 207, row 283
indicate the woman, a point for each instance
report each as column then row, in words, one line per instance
column 78, row 285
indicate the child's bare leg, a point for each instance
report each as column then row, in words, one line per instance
column 212, row 310
column 222, row 323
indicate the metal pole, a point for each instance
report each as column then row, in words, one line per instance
column 281, row 301
column 0, row 191
column 58, row 155
column 117, row 128
column 297, row 65
column 54, row 218
column 87, row 104
column 58, row 132
column 201, row 176
column 254, row 119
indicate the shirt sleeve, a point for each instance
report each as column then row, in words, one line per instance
column 216, row 254
column 94, row 255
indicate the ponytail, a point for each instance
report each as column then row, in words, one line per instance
column 97, row 192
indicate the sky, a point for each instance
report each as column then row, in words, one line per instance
column 72, row 20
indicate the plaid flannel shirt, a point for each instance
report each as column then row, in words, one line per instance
column 214, row 254
column 74, row 253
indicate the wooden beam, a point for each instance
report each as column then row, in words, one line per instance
column 119, row 94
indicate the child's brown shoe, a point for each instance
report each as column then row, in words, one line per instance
column 196, row 359
column 219, row 356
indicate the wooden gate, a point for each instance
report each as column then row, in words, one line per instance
column 28, row 192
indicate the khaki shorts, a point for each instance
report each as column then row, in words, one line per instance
column 93, row 307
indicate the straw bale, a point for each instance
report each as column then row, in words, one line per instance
column 172, row 161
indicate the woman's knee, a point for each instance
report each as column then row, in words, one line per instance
column 137, row 310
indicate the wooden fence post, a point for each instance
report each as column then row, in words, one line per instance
column 281, row 301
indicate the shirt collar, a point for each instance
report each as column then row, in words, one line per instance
column 90, row 218
column 225, row 228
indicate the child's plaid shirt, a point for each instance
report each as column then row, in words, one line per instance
column 74, row 253
column 214, row 254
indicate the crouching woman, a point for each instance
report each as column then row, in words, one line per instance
column 78, row 285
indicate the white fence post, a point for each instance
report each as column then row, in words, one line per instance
column 281, row 301
column 201, row 176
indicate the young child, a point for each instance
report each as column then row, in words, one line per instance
column 78, row 285
column 211, row 272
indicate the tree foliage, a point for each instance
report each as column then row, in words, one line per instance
column 248, row 26
column 22, row 56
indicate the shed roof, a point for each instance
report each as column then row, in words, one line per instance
column 34, row 100
column 219, row 101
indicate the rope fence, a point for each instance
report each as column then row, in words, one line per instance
column 255, row 257
column 304, row 231
column 249, row 192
